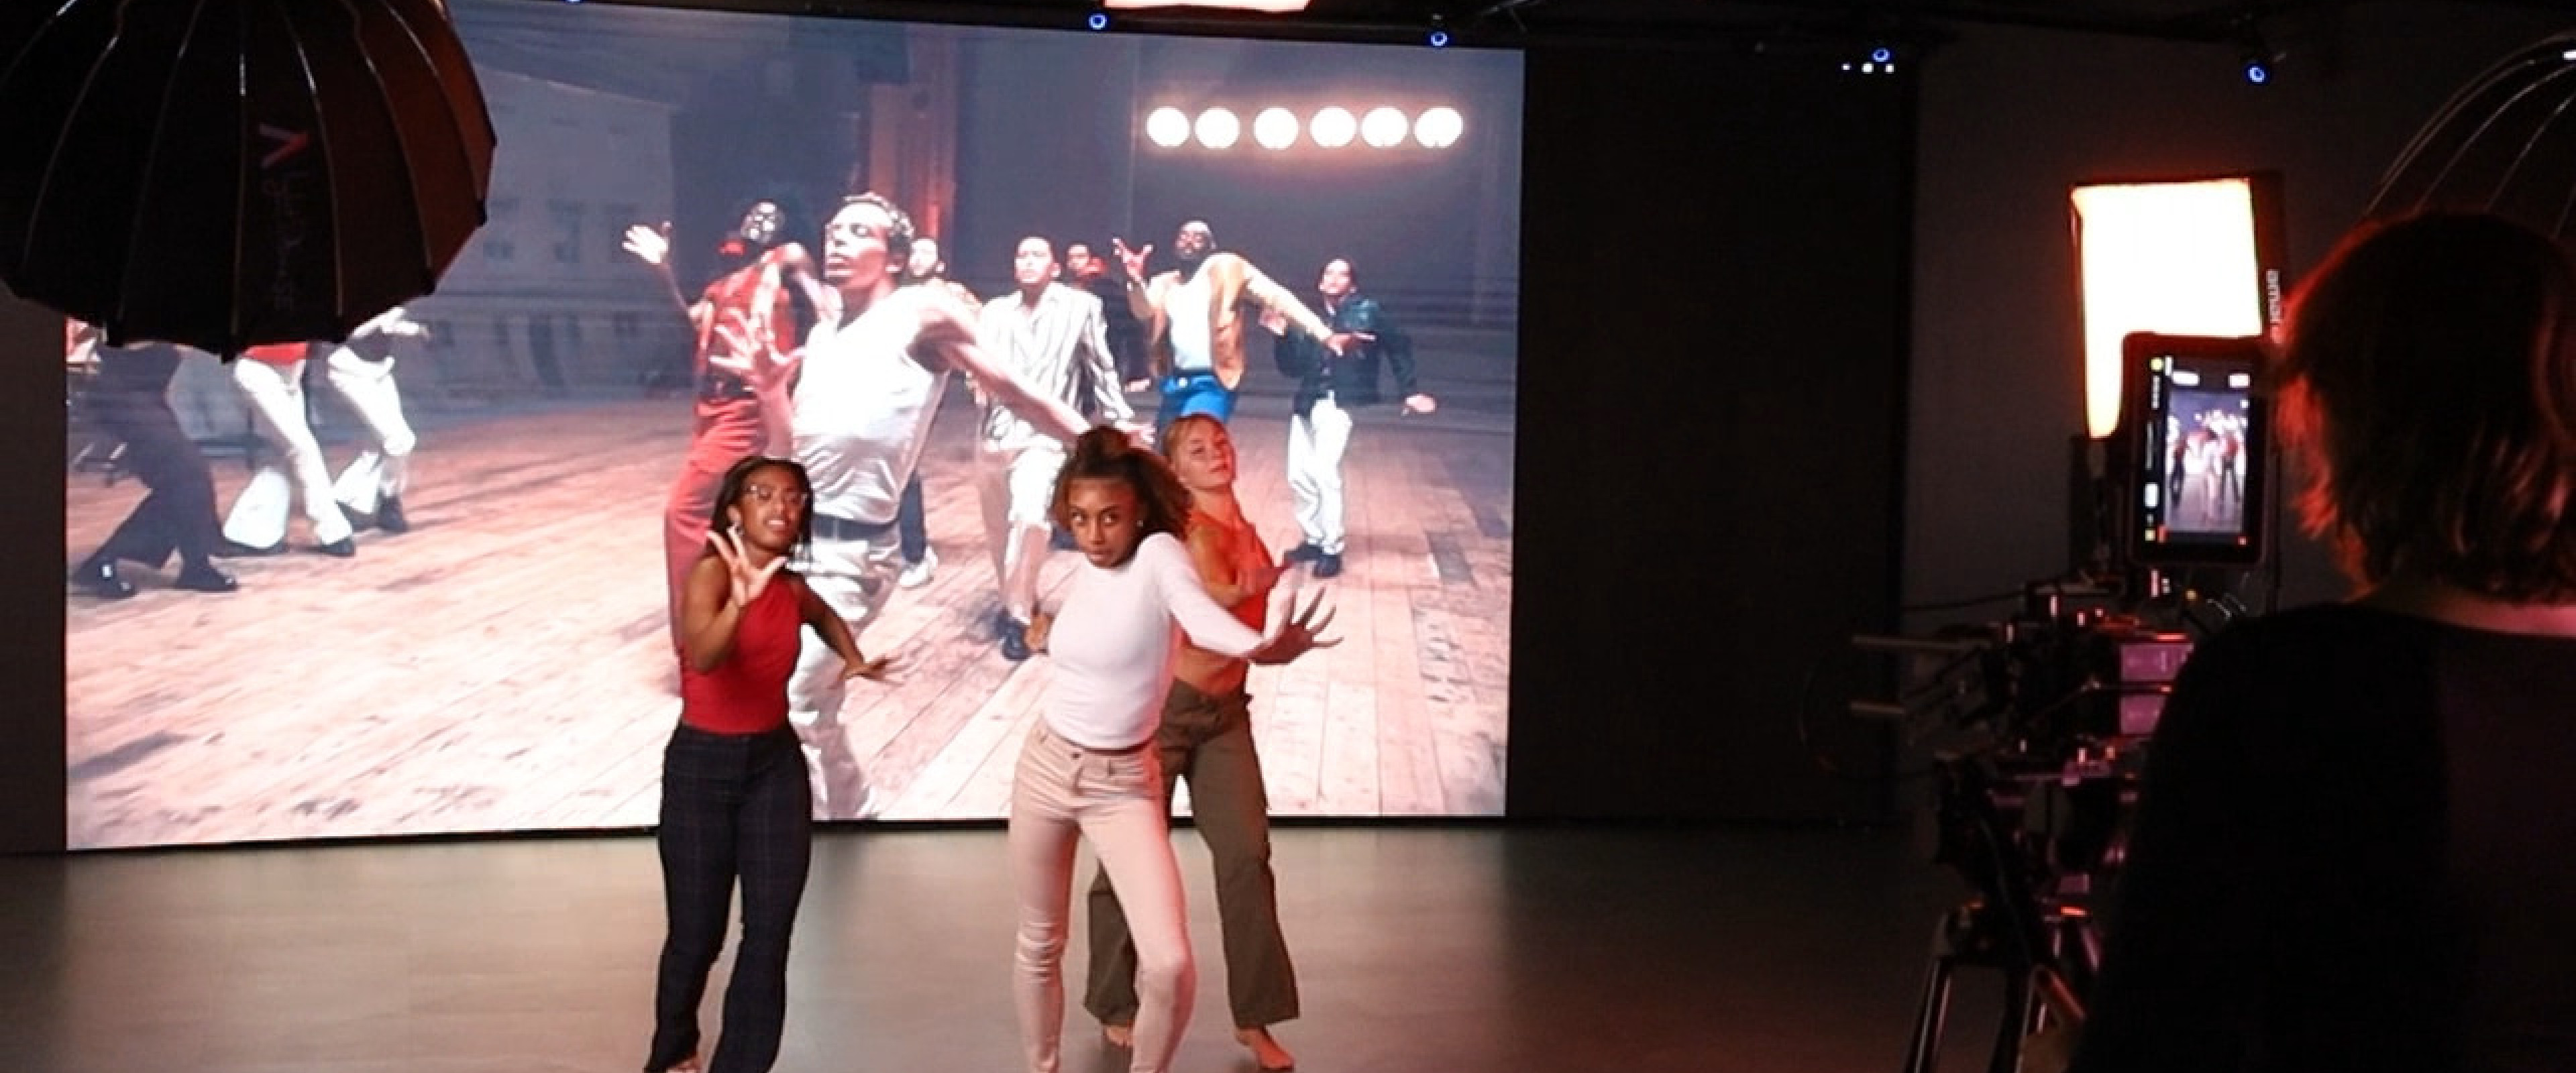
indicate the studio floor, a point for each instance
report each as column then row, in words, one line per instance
column 1457, row 949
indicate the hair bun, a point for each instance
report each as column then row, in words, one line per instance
column 1104, row 443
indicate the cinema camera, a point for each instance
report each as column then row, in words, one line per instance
column 2045, row 717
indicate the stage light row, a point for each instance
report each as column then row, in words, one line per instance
column 1331, row 128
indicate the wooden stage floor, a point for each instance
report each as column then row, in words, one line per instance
column 503, row 666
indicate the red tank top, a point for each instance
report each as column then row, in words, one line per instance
column 276, row 353
column 747, row 693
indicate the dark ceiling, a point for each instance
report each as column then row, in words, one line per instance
column 1520, row 22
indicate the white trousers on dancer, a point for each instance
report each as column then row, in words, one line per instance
column 385, row 469
column 1016, row 487
column 854, row 577
column 1061, row 791
column 258, row 517
column 1315, row 445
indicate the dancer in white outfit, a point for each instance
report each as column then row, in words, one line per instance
column 868, row 384
column 1088, row 767
column 272, row 379
column 1057, row 341
column 362, row 369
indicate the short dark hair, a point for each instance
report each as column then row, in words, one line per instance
column 737, row 482
column 1106, row 453
column 2430, row 383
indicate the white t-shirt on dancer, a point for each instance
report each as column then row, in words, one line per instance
column 863, row 410
column 1186, row 306
column 1114, row 638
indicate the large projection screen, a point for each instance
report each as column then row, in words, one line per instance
column 503, row 663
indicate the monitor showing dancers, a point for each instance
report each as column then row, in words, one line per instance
column 434, row 578
column 2195, row 430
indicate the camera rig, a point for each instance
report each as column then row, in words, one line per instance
column 2044, row 719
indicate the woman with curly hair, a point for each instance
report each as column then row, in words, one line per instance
column 1089, row 768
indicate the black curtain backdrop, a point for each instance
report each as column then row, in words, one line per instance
column 1712, row 399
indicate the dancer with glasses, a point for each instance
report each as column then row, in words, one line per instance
column 735, row 799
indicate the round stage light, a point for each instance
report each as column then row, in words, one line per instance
column 1439, row 128
column 1167, row 127
column 1099, row 20
column 1332, row 128
column 1217, row 128
column 1275, row 128
column 1384, row 128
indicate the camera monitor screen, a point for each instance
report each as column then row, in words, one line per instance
column 2196, row 434
column 445, row 557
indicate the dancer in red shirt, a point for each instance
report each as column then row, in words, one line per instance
column 736, row 800
column 746, row 333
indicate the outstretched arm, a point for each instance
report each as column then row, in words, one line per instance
column 1140, row 290
column 1373, row 323
column 1276, row 298
column 776, row 394
column 653, row 247
column 836, row 633
column 948, row 340
column 395, row 321
column 1215, row 629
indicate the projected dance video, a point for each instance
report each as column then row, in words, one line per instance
column 918, row 261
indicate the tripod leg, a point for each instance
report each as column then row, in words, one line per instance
column 1923, row 1054
column 2012, row 1024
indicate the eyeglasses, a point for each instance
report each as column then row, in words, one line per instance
column 788, row 497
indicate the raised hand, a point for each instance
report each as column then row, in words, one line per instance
column 1301, row 635
column 1133, row 259
column 648, row 244
column 748, row 581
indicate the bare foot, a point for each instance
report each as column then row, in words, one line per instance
column 1119, row 1035
column 1265, row 1050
